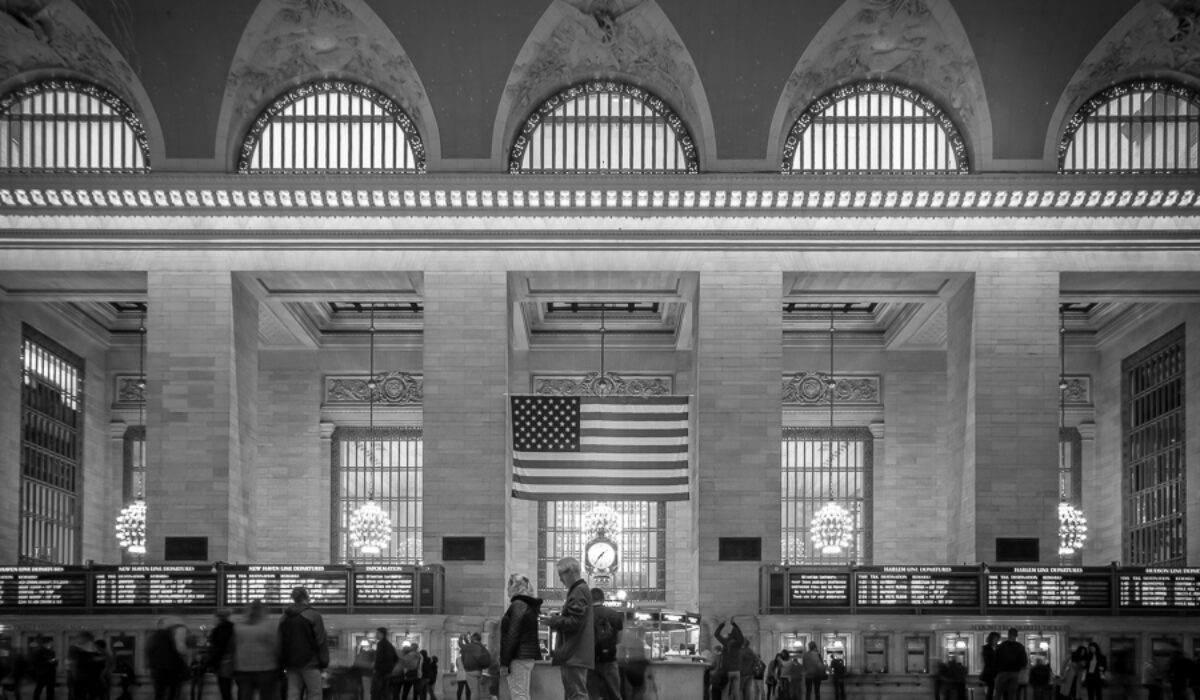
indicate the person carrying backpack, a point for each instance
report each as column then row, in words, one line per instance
column 606, row 677
column 304, row 646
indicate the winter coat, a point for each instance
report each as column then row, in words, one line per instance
column 221, row 648
column 302, row 640
column 474, row 657
column 606, row 649
column 385, row 658
column 732, row 647
column 163, row 657
column 519, row 630
column 576, row 629
column 814, row 665
column 256, row 646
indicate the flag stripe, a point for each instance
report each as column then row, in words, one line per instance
column 612, row 448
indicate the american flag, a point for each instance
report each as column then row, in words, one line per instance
column 600, row 448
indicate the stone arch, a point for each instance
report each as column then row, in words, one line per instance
column 59, row 40
column 631, row 41
column 288, row 44
column 917, row 43
column 1155, row 39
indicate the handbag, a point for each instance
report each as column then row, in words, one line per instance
column 823, row 674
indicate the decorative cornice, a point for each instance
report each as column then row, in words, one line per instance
column 391, row 389
column 812, row 389
column 608, row 384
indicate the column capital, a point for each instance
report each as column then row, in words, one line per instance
column 877, row 430
column 1087, row 430
column 326, row 429
column 116, row 429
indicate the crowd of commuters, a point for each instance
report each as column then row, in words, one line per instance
column 286, row 658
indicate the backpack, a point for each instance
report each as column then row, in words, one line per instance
column 606, row 636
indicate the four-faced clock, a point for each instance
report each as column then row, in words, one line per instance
column 600, row 555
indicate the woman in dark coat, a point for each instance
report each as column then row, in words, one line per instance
column 519, row 644
column 1095, row 671
column 987, row 675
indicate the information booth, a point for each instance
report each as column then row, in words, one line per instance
column 670, row 635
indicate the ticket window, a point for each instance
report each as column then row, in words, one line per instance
column 875, row 656
column 836, row 646
column 1122, row 657
column 1042, row 649
column 1161, row 651
column 958, row 648
column 916, row 655
column 796, row 643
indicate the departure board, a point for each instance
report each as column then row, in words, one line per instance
column 917, row 586
column 31, row 588
column 327, row 585
column 154, row 586
column 1065, row 588
column 1159, row 588
column 817, row 589
column 385, row 586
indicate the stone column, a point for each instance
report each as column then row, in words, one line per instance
column 1097, row 550
column 739, row 365
column 202, row 386
column 466, row 463
column 10, row 433
column 1002, row 374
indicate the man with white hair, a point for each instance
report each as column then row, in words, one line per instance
column 575, row 650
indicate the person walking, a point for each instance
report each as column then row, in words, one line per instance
column 382, row 666
column 606, row 676
column 166, row 658
column 1070, row 684
column 220, row 654
column 731, row 658
column 460, row 672
column 474, row 659
column 304, row 647
column 108, row 665
column 987, row 675
column 575, row 650
column 837, row 673
column 1011, row 657
column 408, row 672
column 44, row 666
column 814, row 672
column 256, row 655
column 429, row 676
column 519, row 644
column 1096, row 672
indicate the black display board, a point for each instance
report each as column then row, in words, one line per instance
column 327, row 586
column 43, row 588
column 125, row 587
column 1064, row 589
column 817, row 588
column 1152, row 589
column 916, row 587
column 385, row 586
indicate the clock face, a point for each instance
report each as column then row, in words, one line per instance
column 601, row 555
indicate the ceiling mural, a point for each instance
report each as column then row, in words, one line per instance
column 290, row 41
column 589, row 39
column 915, row 42
column 56, row 34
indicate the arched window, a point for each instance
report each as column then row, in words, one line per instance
column 333, row 126
column 874, row 128
column 70, row 126
column 603, row 127
column 1142, row 126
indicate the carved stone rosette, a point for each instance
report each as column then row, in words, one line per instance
column 1078, row 391
column 391, row 389
column 129, row 391
column 812, row 389
column 595, row 384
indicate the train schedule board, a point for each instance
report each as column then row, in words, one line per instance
column 1159, row 589
column 903, row 587
column 1065, row 589
column 328, row 586
column 385, row 586
column 143, row 587
column 43, row 588
column 818, row 588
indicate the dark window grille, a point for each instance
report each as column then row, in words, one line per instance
column 51, row 451
column 1136, row 127
column 333, row 127
column 820, row 464
column 384, row 465
column 72, row 127
column 641, row 545
column 603, row 127
column 874, row 128
column 1154, row 447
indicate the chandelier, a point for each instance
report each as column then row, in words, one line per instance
column 601, row 521
column 131, row 527
column 832, row 525
column 131, row 522
column 370, row 526
column 1072, row 529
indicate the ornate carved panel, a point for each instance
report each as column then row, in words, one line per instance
column 391, row 389
column 812, row 389
column 608, row 384
column 128, row 390
column 1079, row 390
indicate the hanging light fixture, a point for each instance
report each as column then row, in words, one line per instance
column 832, row 525
column 1072, row 526
column 370, row 526
column 131, row 522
